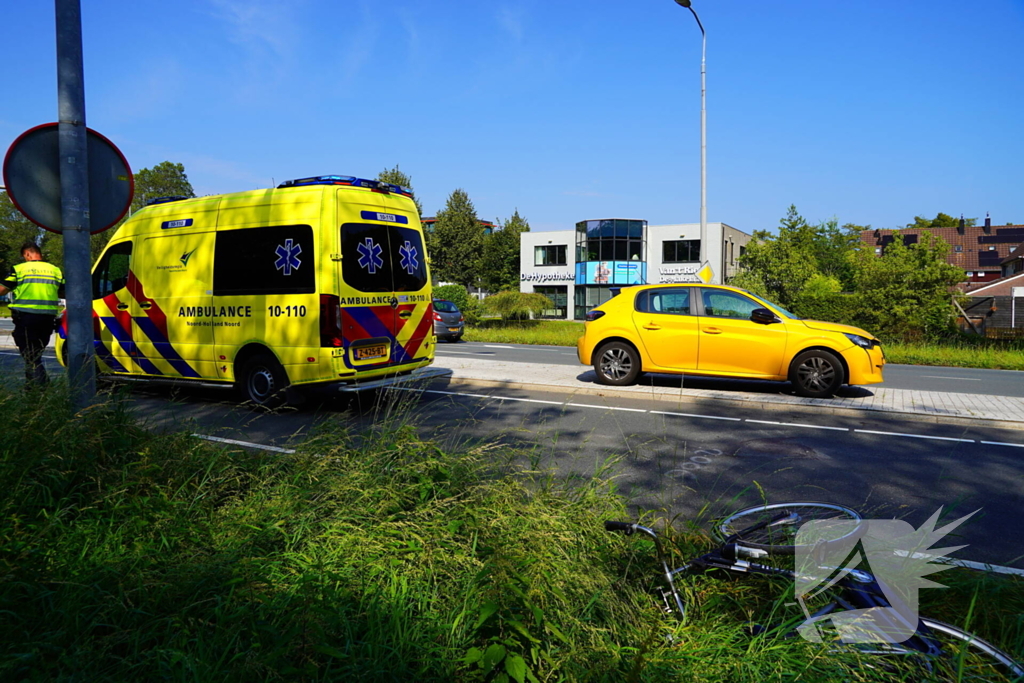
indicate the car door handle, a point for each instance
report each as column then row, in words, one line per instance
column 652, row 326
column 712, row 330
column 405, row 315
column 122, row 307
column 146, row 304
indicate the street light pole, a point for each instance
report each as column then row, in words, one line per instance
column 703, row 135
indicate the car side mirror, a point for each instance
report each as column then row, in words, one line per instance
column 764, row 317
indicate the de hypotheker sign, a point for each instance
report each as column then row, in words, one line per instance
column 547, row 277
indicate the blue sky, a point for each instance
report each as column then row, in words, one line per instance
column 871, row 112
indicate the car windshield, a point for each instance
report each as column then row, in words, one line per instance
column 777, row 307
column 445, row 307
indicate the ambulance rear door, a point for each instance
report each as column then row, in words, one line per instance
column 112, row 309
column 385, row 302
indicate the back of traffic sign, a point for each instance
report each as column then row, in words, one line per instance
column 32, row 176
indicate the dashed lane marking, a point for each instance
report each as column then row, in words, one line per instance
column 798, row 424
column 914, row 436
column 709, row 417
column 496, row 346
column 960, row 379
column 1000, row 443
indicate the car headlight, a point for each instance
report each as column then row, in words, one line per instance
column 860, row 341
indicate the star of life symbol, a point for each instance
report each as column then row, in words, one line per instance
column 288, row 257
column 409, row 261
column 889, row 552
column 369, row 255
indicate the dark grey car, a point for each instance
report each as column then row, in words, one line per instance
column 448, row 321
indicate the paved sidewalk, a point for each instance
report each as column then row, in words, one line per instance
column 931, row 406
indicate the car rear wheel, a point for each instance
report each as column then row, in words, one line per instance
column 617, row 364
column 817, row 374
column 263, row 381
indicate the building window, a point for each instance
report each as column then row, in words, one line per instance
column 958, row 248
column 992, row 248
column 549, row 255
column 589, row 297
column 611, row 252
column 559, row 297
column 680, row 251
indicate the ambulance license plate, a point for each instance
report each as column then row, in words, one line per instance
column 369, row 352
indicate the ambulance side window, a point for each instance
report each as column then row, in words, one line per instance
column 410, row 259
column 268, row 260
column 111, row 274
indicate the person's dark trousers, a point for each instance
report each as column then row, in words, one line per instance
column 32, row 333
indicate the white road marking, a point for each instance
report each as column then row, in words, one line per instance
column 247, row 444
column 445, row 352
column 914, row 436
column 962, row 379
column 496, row 346
column 1000, row 443
column 588, row 405
column 798, row 424
column 710, row 417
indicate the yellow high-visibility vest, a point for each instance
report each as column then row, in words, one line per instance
column 36, row 287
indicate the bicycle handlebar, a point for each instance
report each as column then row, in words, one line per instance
column 625, row 527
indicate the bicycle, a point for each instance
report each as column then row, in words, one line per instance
column 752, row 535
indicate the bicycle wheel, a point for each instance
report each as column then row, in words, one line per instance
column 966, row 657
column 754, row 528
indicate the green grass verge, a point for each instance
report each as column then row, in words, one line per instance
column 128, row 556
column 964, row 351
column 4, row 311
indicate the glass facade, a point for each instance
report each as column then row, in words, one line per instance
column 549, row 255
column 608, row 252
column 559, row 297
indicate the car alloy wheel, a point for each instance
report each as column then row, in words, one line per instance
column 617, row 364
column 817, row 374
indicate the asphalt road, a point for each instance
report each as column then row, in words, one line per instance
column 915, row 377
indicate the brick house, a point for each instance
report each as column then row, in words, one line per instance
column 980, row 249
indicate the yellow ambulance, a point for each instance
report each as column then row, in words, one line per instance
column 319, row 280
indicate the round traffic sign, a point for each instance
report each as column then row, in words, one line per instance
column 32, row 176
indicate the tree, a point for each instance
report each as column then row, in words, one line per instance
column 457, row 243
column 778, row 267
column 905, row 293
column 500, row 265
column 15, row 230
column 512, row 305
column 397, row 177
column 941, row 220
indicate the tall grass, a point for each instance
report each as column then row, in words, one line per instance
column 127, row 555
column 552, row 332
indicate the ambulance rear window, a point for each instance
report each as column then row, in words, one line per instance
column 382, row 258
column 269, row 260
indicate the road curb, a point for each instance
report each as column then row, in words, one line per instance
column 755, row 403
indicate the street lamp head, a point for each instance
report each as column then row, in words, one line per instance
column 683, row 3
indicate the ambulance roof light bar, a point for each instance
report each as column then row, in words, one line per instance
column 165, row 200
column 378, row 185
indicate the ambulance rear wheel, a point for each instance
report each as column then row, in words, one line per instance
column 263, row 381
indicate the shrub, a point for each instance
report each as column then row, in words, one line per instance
column 516, row 305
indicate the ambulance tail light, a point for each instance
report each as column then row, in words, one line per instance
column 330, row 321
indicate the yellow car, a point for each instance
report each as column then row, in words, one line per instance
column 720, row 331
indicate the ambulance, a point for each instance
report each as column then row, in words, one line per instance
column 319, row 280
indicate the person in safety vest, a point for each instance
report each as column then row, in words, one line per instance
column 36, row 288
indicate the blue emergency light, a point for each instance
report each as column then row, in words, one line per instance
column 378, row 185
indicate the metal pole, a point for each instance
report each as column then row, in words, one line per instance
column 74, row 192
column 703, row 146
column 703, row 141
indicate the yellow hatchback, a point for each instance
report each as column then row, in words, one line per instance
column 720, row 331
